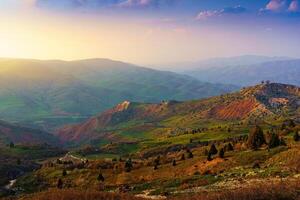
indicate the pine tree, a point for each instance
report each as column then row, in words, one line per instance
column 213, row 150
column 209, row 158
column 64, row 173
column 128, row 165
column 174, row 163
column 190, row 154
column 229, row 147
column 182, row 157
column 274, row 141
column 256, row 138
column 221, row 153
column 59, row 184
column 296, row 136
column 11, row 145
column 100, row 177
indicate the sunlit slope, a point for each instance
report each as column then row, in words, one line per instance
column 219, row 117
column 51, row 93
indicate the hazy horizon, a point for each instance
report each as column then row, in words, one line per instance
column 148, row 32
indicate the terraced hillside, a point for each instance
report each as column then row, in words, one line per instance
column 145, row 125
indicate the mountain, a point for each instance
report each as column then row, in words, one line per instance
column 284, row 71
column 23, row 135
column 47, row 94
column 155, row 123
column 244, row 60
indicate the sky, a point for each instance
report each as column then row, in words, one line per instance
column 148, row 31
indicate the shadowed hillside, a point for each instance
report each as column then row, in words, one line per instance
column 47, row 94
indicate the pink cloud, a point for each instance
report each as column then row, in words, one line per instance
column 207, row 14
column 294, row 6
column 276, row 5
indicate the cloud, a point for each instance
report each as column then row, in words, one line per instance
column 67, row 4
column 287, row 7
column 276, row 5
column 294, row 6
column 217, row 13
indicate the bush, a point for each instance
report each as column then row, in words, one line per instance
column 213, row 150
column 256, row 138
column 274, row 141
column 221, row 153
column 296, row 136
column 100, row 177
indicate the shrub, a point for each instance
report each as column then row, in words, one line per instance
column 221, row 153
column 100, row 177
column 296, row 136
column 274, row 141
column 256, row 138
column 213, row 150
column 128, row 165
column 59, row 184
column 174, row 163
column 64, row 173
column 229, row 147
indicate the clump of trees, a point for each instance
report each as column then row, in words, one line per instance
column 256, row 138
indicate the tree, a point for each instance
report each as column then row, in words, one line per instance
column 190, row 154
column 296, row 136
column 18, row 161
column 229, row 147
column 11, row 145
column 274, row 141
column 174, row 163
column 213, row 150
column 59, row 184
column 182, row 157
column 155, row 167
column 209, row 158
column 128, row 165
column 100, row 177
column 64, row 173
column 221, row 153
column 157, row 161
column 256, row 138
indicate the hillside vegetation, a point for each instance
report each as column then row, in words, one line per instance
column 47, row 94
column 140, row 126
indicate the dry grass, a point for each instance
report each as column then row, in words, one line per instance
column 72, row 194
column 268, row 191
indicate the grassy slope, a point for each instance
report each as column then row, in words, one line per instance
column 154, row 125
column 48, row 94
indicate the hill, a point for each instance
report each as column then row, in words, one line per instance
column 23, row 135
column 245, row 60
column 283, row 71
column 171, row 121
column 47, row 94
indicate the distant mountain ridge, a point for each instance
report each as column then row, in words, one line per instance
column 251, row 104
column 283, row 71
column 47, row 94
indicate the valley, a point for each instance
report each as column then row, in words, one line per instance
column 177, row 149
